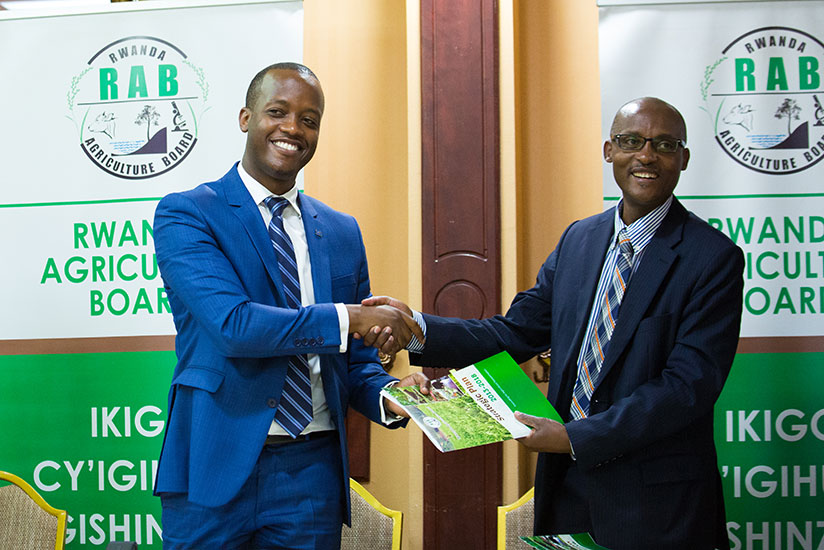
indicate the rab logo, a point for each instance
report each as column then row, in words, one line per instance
column 764, row 96
column 136, row 106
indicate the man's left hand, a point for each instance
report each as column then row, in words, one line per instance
column 416, row 378
column 547, row 436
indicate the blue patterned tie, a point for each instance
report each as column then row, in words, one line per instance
column 604, row 326
column 295, row 408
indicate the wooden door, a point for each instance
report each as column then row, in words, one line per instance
column 461, row 226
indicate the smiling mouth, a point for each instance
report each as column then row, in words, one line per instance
column 644, row 175
column 285, row 145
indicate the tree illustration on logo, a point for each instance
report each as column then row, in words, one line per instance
column 790, row 110
column 150, row 116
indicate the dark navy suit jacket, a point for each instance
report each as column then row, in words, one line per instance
column 646, row 452
column 235, row 333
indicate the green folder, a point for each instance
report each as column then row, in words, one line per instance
column 514, row 387
column 579, row 541
column 474, row 405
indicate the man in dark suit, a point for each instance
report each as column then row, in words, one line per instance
column 257, row 275
column 641, row 306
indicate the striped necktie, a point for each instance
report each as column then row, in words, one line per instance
column 295, row 408
column 604, row 326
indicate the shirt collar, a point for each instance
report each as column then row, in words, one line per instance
column 259, row 192
column 641, row 231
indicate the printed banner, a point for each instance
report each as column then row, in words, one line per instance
column 769, row 429
column 106, row 111
column 747, row 76
column 139, row 103
column 85, row 431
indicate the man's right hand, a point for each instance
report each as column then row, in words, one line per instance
column 387, row 301
column 376, row 336
column 382, row 325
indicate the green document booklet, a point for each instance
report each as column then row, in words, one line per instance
column 474, row 405
column 580, row 541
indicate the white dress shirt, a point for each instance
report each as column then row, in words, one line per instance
column 293, row 225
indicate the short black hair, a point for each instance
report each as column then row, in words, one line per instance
column 253, row 92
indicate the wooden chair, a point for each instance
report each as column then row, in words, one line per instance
column 374, row 526
column 515, row 521
column 26, row 520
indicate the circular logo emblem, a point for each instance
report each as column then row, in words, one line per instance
column 432, row 422
column 136, row 105
column 764, row 96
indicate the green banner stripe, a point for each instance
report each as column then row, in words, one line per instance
column 756, row 196
column 75, row 203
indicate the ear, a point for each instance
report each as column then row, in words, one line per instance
column 243, row 119
column 686, row 159
column 608, row 151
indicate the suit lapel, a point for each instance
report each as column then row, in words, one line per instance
column 596, row 240
column 242, row 205
column 593, row 244
column 656, row 262
column 317, row 233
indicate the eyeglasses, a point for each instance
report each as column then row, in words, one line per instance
column 634, row 142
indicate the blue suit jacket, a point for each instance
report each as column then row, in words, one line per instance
column 235, row 333
column 646, row 453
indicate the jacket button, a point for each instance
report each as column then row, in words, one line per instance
column 305, row 342
column 297, row 342
column 272, row 402
column 320, row 340
column 312, row 342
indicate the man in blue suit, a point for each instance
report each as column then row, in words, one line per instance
column 636, row 379
column 257, row 275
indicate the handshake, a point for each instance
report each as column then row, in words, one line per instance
column 387, row 324
column 384, row 323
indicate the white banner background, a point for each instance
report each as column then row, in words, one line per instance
column 50, row 185
column 666, row 51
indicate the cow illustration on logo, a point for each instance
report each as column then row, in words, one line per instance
column 762, row 96
column 136, row 106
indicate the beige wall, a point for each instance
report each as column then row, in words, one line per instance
column 558, row 136
column 368, row 165
column 560, row 117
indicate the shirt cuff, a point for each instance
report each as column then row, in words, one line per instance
column 343, row 322
column 414, row 345
column 571, row 447
column 388, row 417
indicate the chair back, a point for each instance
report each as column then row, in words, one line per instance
column 374, row 526
column 26, row 520
column 515, row 520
